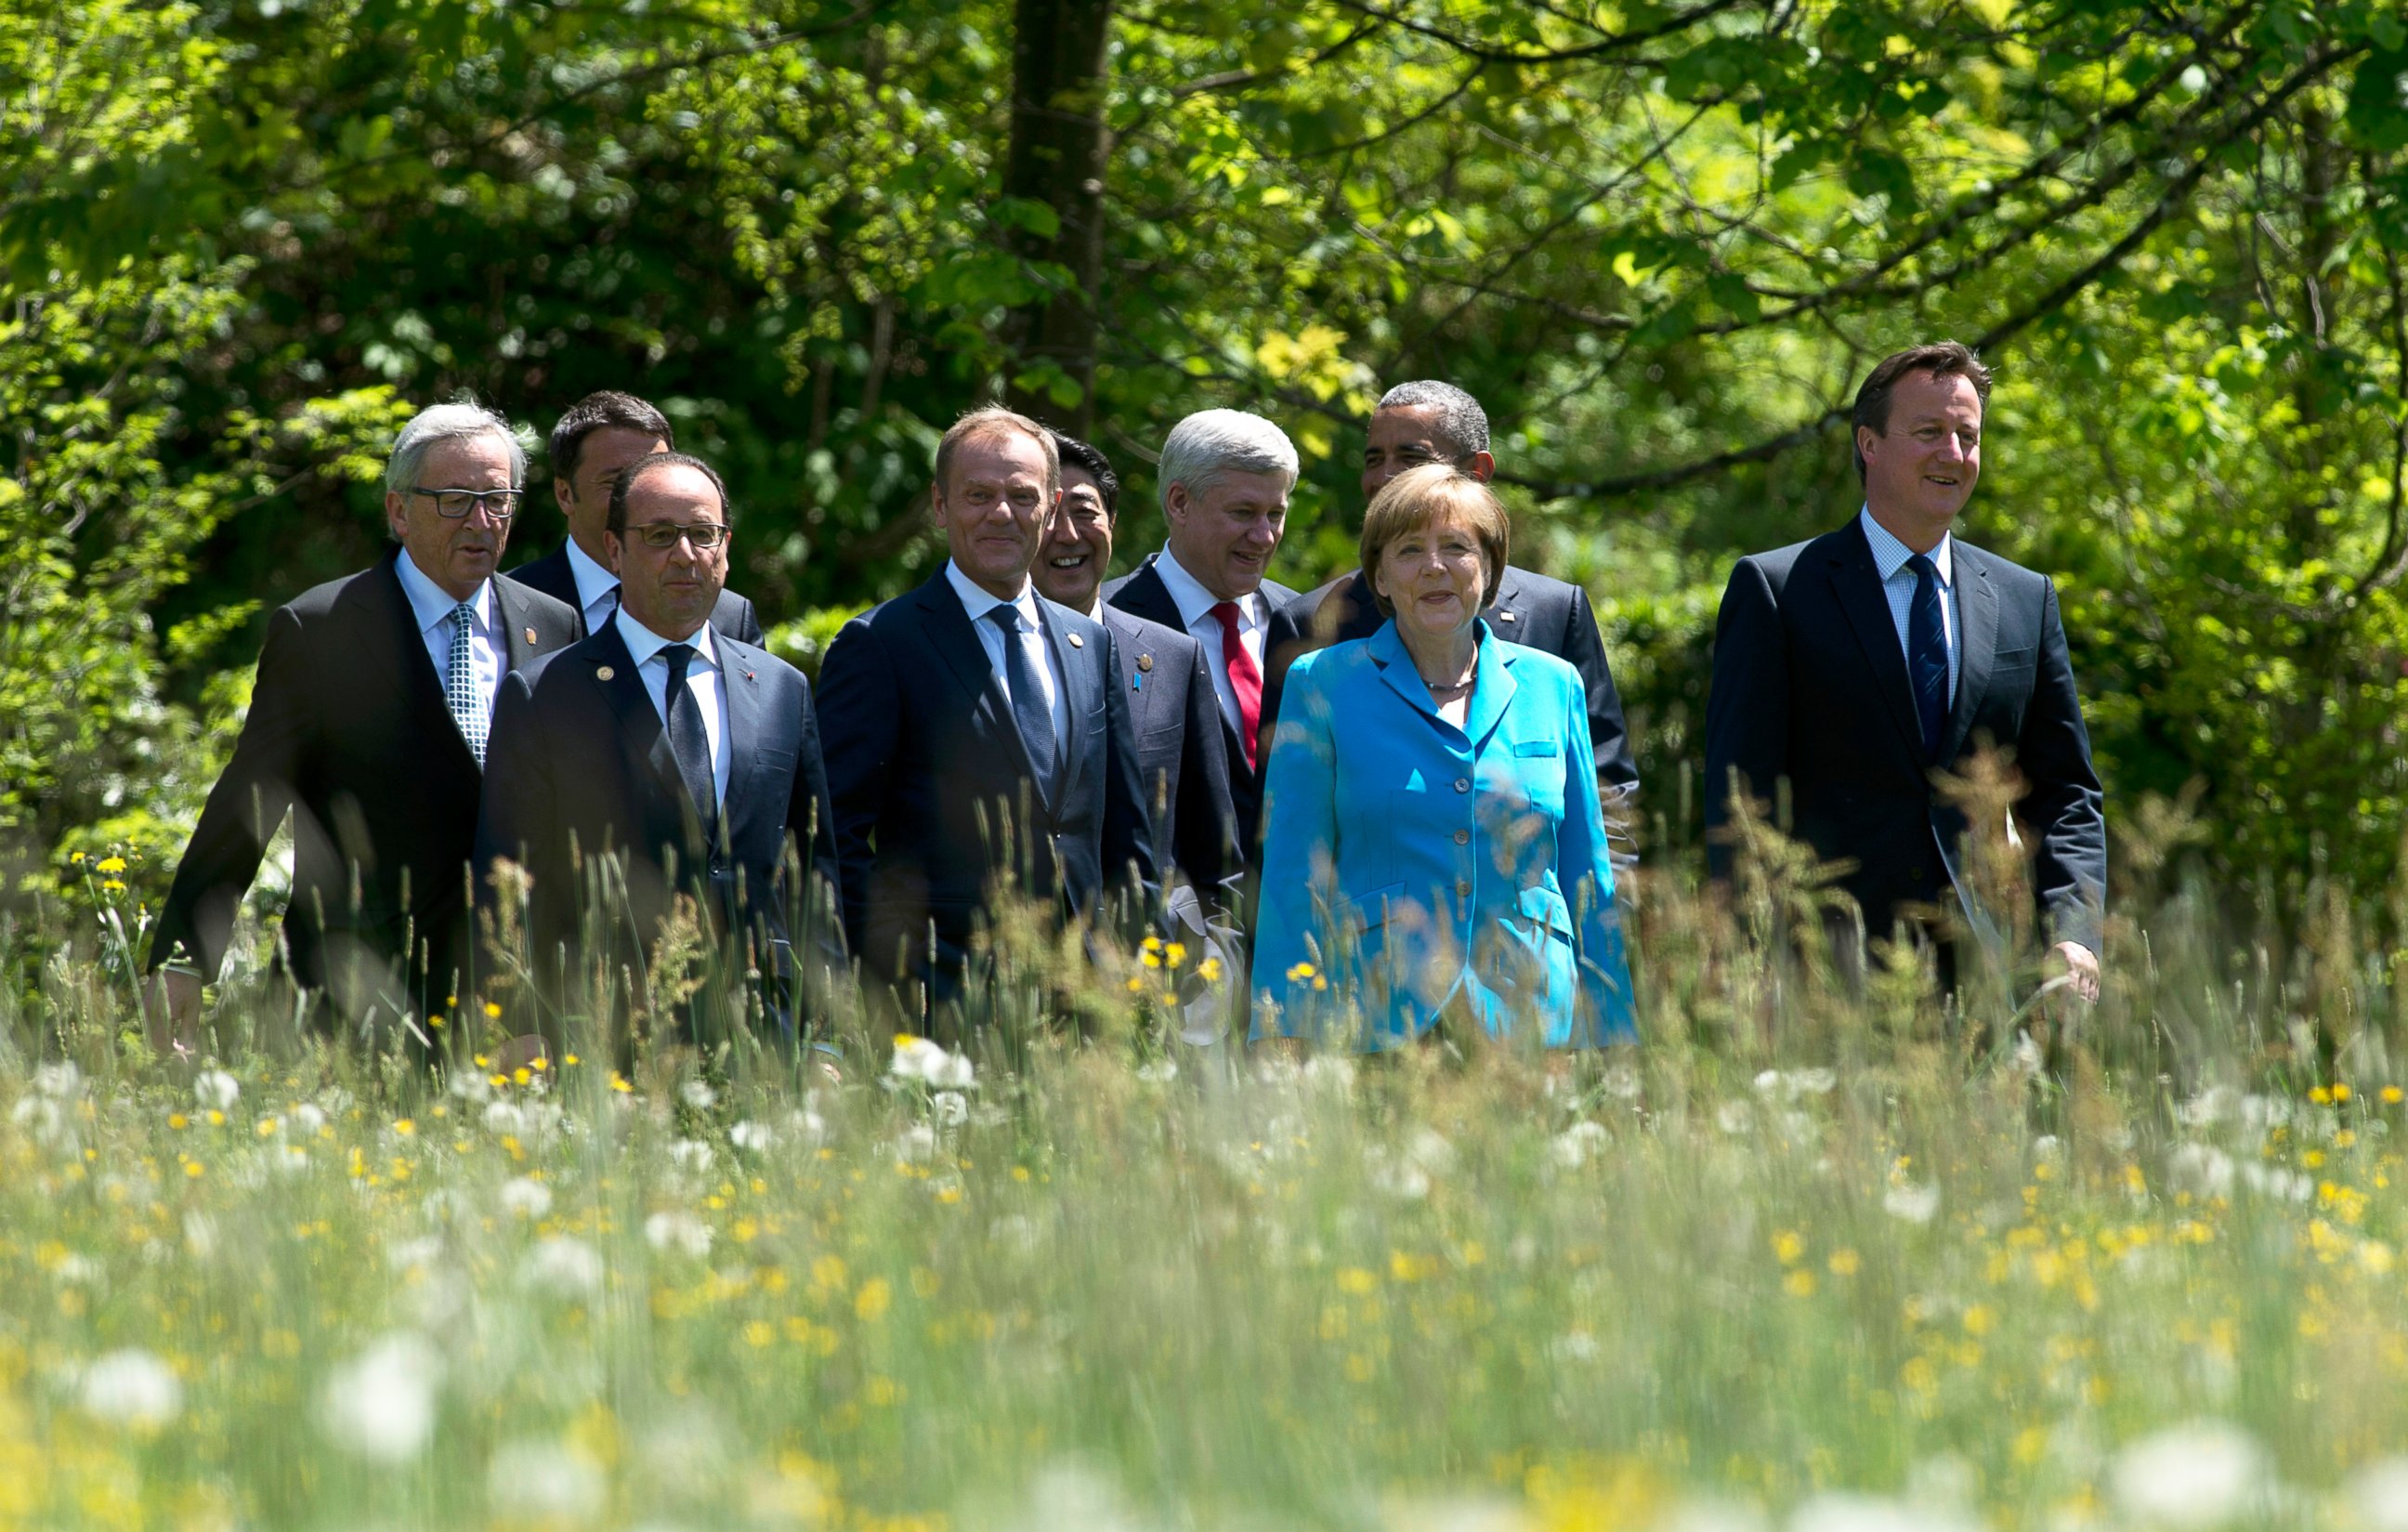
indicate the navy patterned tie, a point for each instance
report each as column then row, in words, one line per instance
column 689, row 742
column 460, row 692
column 1028, row 708
column 1927, row 656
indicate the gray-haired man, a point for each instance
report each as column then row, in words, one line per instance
column 368, row 720
column 1224, row 480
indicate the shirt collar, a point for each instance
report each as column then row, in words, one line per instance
column 430, row 604
column 1193, row 600
column 643, row 643
column 593, row 580
column 1890, row 555
column 978, row 601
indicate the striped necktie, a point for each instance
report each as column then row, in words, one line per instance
column 460, row 684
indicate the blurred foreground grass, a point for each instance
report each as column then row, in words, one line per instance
column 1811, row 1259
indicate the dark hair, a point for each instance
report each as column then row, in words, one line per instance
column 1081, row 455
column 1942, row 359
column 597, row 412
column 1461, row 423
column 643, row 465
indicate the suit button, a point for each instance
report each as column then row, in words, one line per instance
column 1463, row 785
column 1463, row 888
column 1463, row 838
column 1919, row 874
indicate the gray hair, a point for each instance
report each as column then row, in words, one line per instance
column 1460, row 418
column 1212, row 442
column 460, row 421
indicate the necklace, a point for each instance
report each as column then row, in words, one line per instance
column 1449, row 690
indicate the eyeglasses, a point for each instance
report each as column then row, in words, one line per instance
column 452, row 505
column 664, row 535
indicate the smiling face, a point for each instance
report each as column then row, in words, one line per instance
column 670, row 590
column 1433, row 576
column 1921, row 472
column 584, row 496
column 1078, row 551
column 1406, row 438
column 1226, row 535
column 993, row 508
column 457, row 555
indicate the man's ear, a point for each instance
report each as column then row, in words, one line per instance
column 1867, row 440
column 1174, row 505
column 1482, row 466
column 936, row 506
column 563, row 492
column 396, row 514
column 614, row 550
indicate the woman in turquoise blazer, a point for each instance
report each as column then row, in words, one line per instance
column 1433, row 846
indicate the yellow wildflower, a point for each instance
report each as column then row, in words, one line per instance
column 110, row 864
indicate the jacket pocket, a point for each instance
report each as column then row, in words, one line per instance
column 1545, row 909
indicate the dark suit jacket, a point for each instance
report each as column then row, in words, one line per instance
column 732, row 618
column 348, row 727
column 1143, row 593
column 1180, row 759
column 1550, row 615
column 1810, row 685
column 926, row 770
column 579, row 756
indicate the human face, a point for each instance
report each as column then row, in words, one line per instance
column 1920, row 473
column 670, row 590
column 1078, row 551
column 1403, row 439
column 457, row 555
column 1434, row 575
column 994, row 509
column 584, row 496
column 1224, row 536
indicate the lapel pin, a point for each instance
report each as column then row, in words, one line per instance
column 604, row 673
column 1505, row 617
column 530, row 632
column 1076, row 642
column 748, row 675
column 1146, row 661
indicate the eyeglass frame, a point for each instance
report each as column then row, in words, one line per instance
column 479, row 500
column 682, row 531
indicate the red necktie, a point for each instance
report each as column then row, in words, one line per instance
column 1244, row 680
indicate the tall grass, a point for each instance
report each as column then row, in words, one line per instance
column 1819, row 1253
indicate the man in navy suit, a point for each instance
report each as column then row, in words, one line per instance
column 369, row 721
column 1425, row 422
column 975, row 729
column 1856, row 666
column 1224, row 482
column 591, row 447
column 692, row 758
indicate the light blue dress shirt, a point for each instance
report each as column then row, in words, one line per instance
column 597, row 589
column 433, row 607
column 1898, row 583
column 644, row 647
column 1195, row 605
column 978, row 603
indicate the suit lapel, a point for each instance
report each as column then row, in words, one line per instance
column 1504, row 614
column 1397, row 669
column 1147, row 597
column 412, row 669
column 1977, row 613
column 739, row 683
column 518, row 636
column 952, row 638
column 1856, row 584
column 1078, row 699
column 640, row 723
column 1492, row 691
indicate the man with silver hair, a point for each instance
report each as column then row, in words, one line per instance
column 1427, row 422
column 1224, row 480
column 368, row 720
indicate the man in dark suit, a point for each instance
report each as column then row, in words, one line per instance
column 1857, row 665
column 692, row 756
column 974, row 729
column 1421, row 422
column 369, row 719
column 1224, row 482
column 591, row 447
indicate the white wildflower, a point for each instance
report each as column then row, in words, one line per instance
column 523, row 1196
column 306, row 1120
column 564, row 1266
column 1574, row 1346
column 1915, row 1204
column 954, row 1072
column 1711, row 1515
column 47, row 1119
column 380, row 1405
column 753, row 1137
column 421, row 1252
column 541, row 1481
column 950, row 1109
column 1734, row 1117
column 1158, row 1072
column 200, row 1235
column 217, row 1089
column 809, row 1126
column 698, row 1095
column 79, row 1271
column 505, row 1120
column 1874, row 1514
column 2049, row 1147
column 1623, row 1081
column 916, row 1059
column 2200, row 1169
column 2214, row 1105
column 60, row 1082
column 2204, row 1474
column 2380, row 1491
column 131, row 1387
column 916, row 1143
column 1574, row 1146
column 691, row 1156
column 2274, row 1181
column 680, row 1231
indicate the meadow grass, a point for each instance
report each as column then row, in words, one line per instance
column 1816, row 1256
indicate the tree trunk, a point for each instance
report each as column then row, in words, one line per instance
column 1058, row 156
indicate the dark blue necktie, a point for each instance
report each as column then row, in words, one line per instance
column 689, row 742
column 1926, row 655
column 1028, row 708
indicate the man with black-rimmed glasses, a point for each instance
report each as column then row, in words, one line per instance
column 369, row 721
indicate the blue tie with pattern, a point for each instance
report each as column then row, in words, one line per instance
column 460, row 692
column 1028, row 708
column 689, row 742
column 1926, row 655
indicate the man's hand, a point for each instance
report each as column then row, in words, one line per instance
column 171, row 1008
column 2083, row 965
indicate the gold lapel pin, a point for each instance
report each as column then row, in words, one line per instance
column 530, row 632
column 1076, row 642
column 604, row 673
column 1146, row 661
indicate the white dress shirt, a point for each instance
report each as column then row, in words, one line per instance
column 644, row 647
column 432, row 606
column 1890, row 558
column 597, row 589
column 978, row 603
column 1196, row 606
